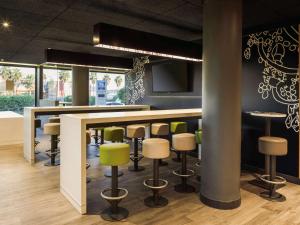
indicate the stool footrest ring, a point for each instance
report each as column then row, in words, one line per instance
column 164, row 183
column 189, row 173
column 111, row 198
column 277, row 180
column 198, row 164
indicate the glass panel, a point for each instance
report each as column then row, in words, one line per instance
column 115, row 87
column 17, row 88
column 57, row 85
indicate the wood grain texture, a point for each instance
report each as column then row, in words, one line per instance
column 29, row 195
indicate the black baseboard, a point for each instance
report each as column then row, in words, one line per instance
column 220, row 205
column 289, row 178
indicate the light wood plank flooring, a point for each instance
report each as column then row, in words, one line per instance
column 29, row 195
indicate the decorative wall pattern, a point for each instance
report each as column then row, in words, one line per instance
column 279, row 75
column 134, row 79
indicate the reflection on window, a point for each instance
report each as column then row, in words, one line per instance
column 115, row 88
column 57, row 85
column 17, row 88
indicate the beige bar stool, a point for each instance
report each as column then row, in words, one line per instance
column 54, row 119
column 156, row 149
column 52, row 129
column 160, row 130
column 184, row 143
column 272, row 147
column 135, row 132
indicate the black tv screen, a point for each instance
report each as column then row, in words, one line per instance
column 170, row 77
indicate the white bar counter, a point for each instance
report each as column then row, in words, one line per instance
column 11, row 128
column 73, row 144
column 30, row 113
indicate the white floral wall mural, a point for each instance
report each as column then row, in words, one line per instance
column 135, row 90
column 279, row 77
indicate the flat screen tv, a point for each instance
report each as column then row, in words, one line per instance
column 170, row 76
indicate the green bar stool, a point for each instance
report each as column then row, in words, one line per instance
column 160, row 130
column 136, row 132
column 114, row 155
column 198, row 134
column 178, row 128
column 184, row 143
column 156, row 149
column 113, row 134
column 52, row 129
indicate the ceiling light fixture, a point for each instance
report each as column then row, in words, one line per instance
column 128, row 40
column 5, row 24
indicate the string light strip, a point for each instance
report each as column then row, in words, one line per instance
column 147, row 52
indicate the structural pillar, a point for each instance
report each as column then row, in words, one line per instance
column 222, row 73
column 80, row 85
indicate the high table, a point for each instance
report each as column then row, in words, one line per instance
column 268, row 117
column 73, row 144
column 30, row 113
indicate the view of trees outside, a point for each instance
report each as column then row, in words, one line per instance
column 17, row 88
column 57, row 84
column 115, row 87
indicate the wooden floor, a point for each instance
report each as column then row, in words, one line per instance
column 29, row 195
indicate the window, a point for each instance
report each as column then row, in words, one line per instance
column 115, row 87
column 17, row 88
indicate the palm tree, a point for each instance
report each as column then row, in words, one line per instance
column 118, row 81
column 28, row 82
column 12, row 76
column 107, row 79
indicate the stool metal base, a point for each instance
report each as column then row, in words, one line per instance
column 138, row 169
column 56, row 163
column 161, row 202
column 108, row 173
column 275, row 197
column 109, row 215
column 184, row 188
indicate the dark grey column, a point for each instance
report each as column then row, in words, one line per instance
column 222, row 63
column 80, row 85
column 38, row 84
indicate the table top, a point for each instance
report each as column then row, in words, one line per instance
column 267, row 114
column 105, row 117
column 9, row 114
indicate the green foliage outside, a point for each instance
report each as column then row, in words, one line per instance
column 16, row 103
column 91, row 99
column 120, row 96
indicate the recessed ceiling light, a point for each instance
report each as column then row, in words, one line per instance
column 5, row 24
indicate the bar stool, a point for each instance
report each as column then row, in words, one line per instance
column 136, row 132
column 113, row 134
column 114, row 155
column 54, row 119
column 272, row 147
column 37, row 124
column 184, row 142
column 88, row 141
column 156, row 148
column 96, row 136
column 52, row 129
column 198, row 134
column 178, row 128
column 160, row 130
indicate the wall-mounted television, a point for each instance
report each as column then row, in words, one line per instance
column 170, row 76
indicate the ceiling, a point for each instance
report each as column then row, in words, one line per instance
column 68, row 24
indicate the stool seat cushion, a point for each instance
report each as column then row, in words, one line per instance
column 178, row 127
column 136, row 131
column 184, row 142
column 156, row 148
column 198, row 134
column 114, row 154
column 88, row 137
column 54, row 119
column 114, row 134
column 160, row 129
column 274, row 146
column 52, row 128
